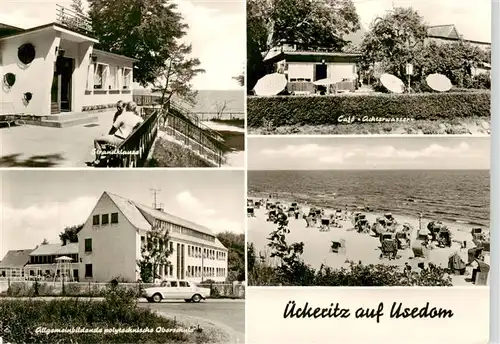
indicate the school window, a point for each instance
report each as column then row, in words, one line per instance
column 114, row 217
column 88, row 245
column 171, row 247
column 100, row 76
column 170, row 270
column 127, row 78
column 95, row 220
column 143, row 240
column 104, row 219
column 88, row 270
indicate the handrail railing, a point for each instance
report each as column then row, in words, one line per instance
column 147, row 100
column 195, row 139
column 134, row 151
column 186, row 113
column 73, row 19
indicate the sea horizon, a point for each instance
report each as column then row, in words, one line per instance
column 460, row 196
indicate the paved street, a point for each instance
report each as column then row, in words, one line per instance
column 52, row 147
column 227, row 314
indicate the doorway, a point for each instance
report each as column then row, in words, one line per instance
column 62, row 85
column 320, row 73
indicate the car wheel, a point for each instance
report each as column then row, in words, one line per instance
column 187, row 300
column 196, row 298
column 157, row 298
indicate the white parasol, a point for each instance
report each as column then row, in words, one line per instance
column 327, row 81
column 438, row 82
column 64, row 258
column 270, row 85
column 392, row 83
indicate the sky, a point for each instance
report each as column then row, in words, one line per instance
column 471, row 18
column 355, row 153
column 39, row 204
column 216, row 31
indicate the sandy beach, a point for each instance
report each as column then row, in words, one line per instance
column 362, row 247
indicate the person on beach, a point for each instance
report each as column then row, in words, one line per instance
column 407, row 268
column 120, row 106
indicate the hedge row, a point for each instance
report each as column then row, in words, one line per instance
column 30, row 289
column 323, row 110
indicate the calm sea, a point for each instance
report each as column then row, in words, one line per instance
column 460, row 196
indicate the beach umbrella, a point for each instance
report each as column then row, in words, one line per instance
column 64, row 259
column 327, row 81
column 348, row 75
column 438, row 82
column 392, row 83
column 270, row 85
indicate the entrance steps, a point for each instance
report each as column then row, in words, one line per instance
column 64, row 120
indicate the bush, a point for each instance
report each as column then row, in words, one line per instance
column 21, row 318
column 326, row 110
column 482, row 81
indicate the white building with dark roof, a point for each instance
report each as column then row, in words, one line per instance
column 303, row 67
column 111, row 239
column 449, row 34
column 13, row 263
column 43, row 260
column 54, row 72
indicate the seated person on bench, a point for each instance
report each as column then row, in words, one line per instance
column 122, row 128
column 120, row 107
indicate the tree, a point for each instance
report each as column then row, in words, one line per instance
column 154, row 254
column 240, row 79
column 292, row 270
column 70, row 234
column 257, row 37
column 147, row 30
column 77, row 6
column 454, row 60
column 394, row 40
column 175, row 75
column 309, row 24
column 312, row 23
column 235, row 243
column 220, row 107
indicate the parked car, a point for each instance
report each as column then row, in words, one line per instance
column 176, row 290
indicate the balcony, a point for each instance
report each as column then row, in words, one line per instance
column 75, row 21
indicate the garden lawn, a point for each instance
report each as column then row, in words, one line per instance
column 170, row 154
column 462, row 126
